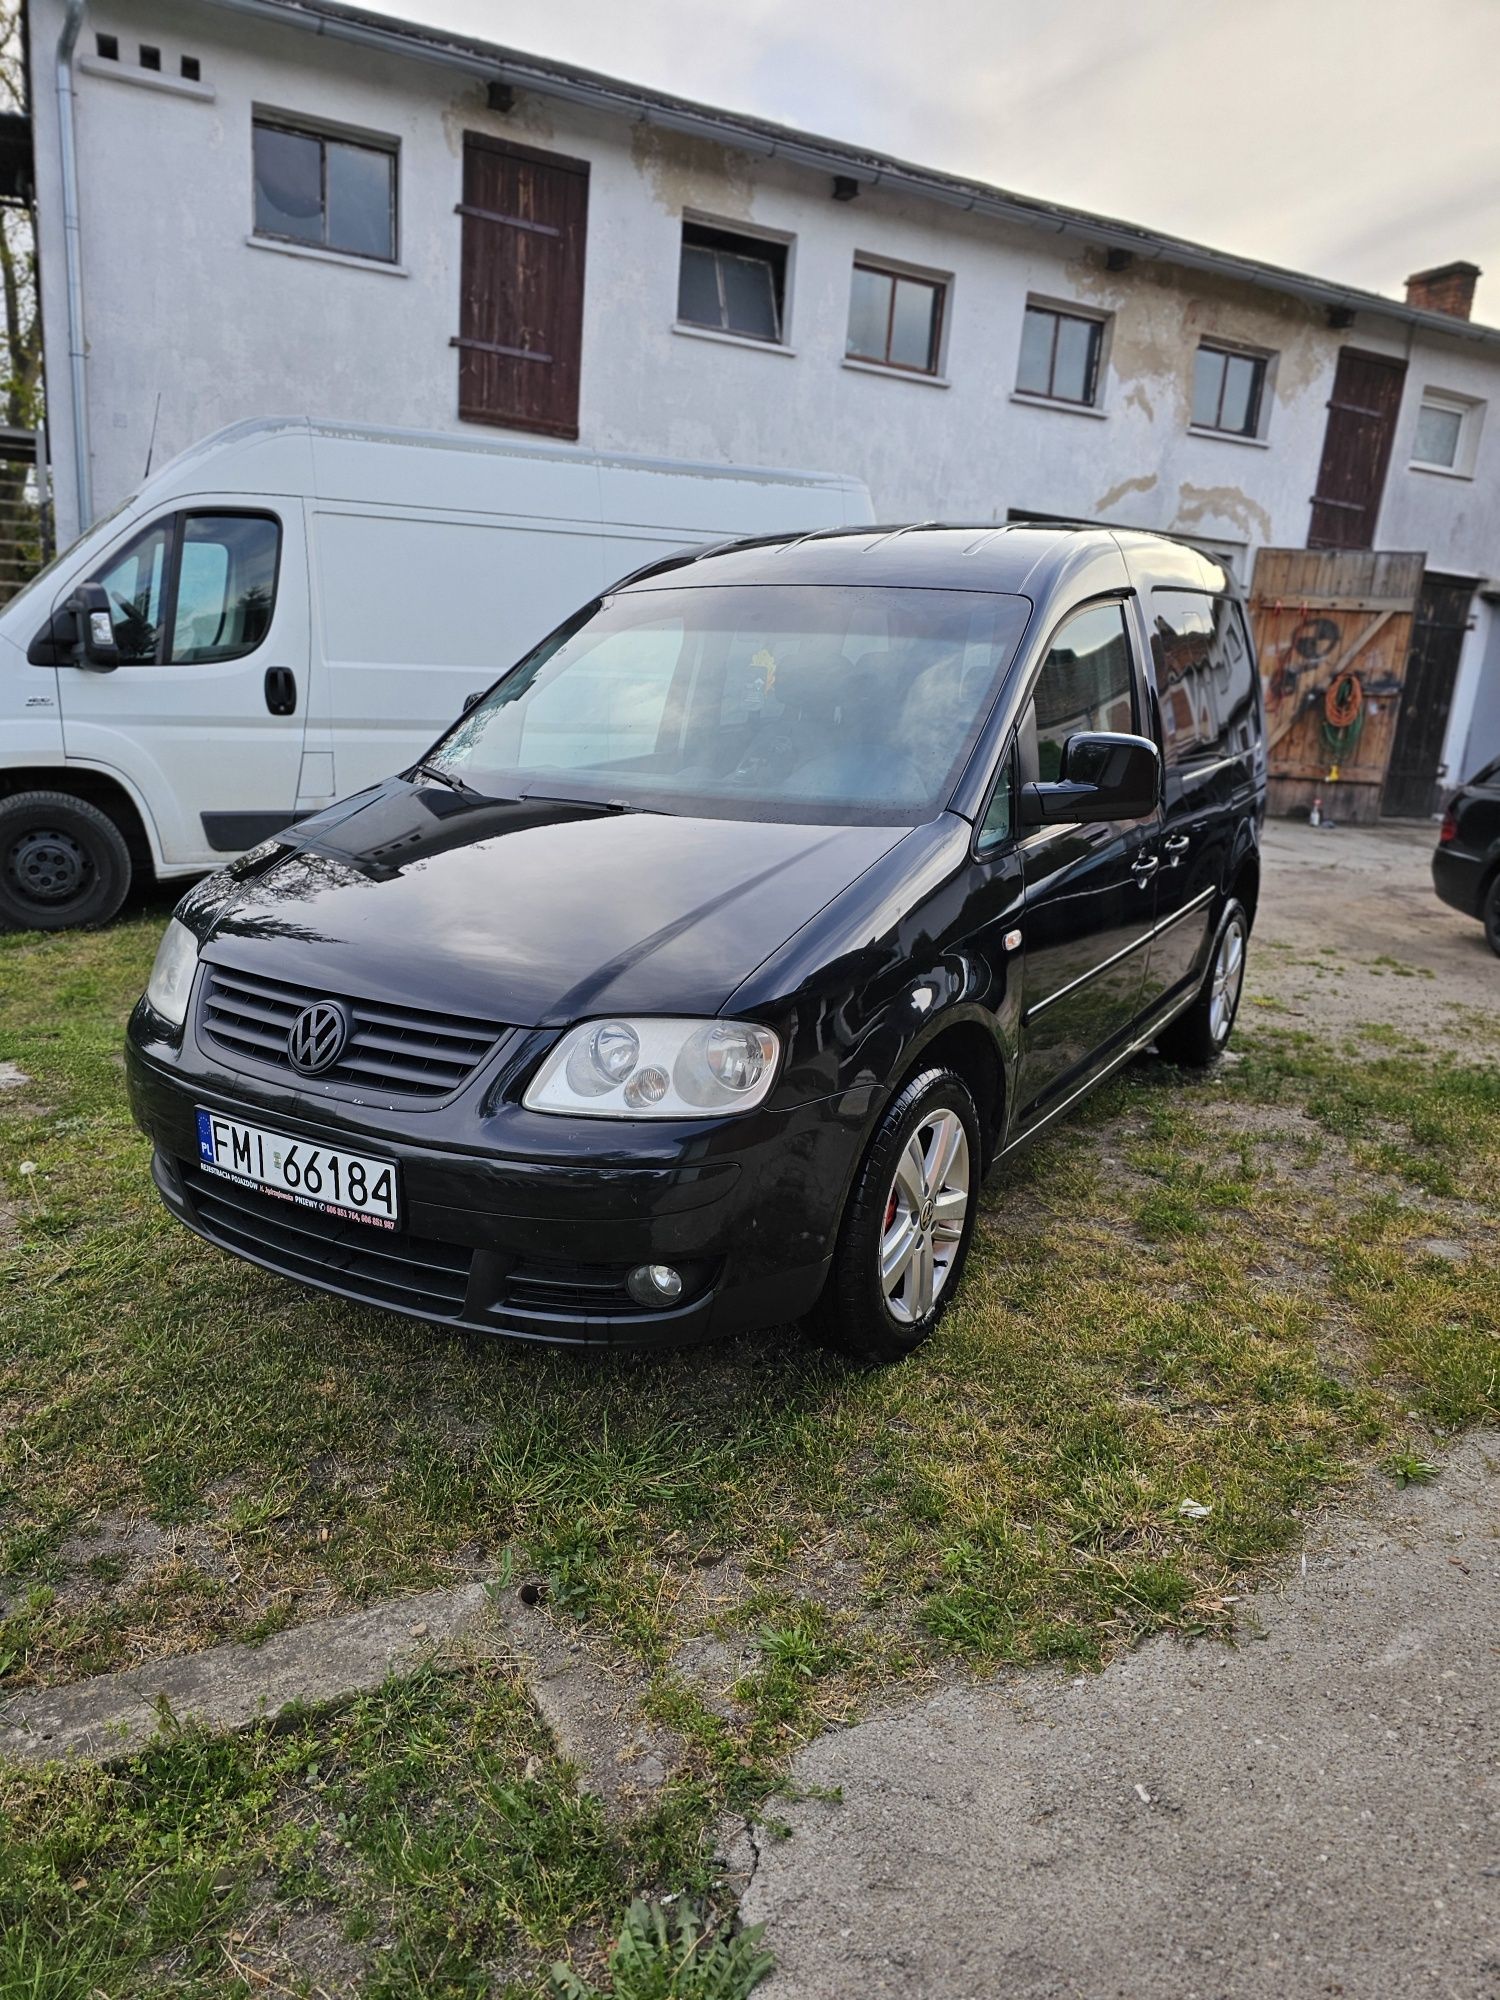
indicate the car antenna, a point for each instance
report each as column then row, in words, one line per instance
column 151, row 446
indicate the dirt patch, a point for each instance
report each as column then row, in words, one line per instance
column 1350, row 931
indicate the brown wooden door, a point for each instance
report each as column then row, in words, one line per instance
column 1412, row 786
column 1356, row 450
column 525, row 220
column 1333, row 631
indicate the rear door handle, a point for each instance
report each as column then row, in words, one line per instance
column 1178, row 844
column 281, row 691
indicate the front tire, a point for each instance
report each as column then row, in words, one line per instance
column 906, row 1231
column 63, row 863
column 1196, row 1039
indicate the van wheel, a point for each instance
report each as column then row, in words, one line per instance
column 1490, row 911
column 906, row 1231
column 1199, row 1037
column 63, row 863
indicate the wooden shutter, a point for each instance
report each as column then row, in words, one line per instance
column 1356, row 450
column 525, row 219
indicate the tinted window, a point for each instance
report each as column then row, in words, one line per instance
column 226, row 586
column 819, row 704
column 1085, row 684
column 995, row 827
column 1205, row 675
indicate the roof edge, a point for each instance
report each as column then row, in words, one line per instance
column 746, row 133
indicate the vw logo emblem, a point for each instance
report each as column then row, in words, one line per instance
column 316, row 1039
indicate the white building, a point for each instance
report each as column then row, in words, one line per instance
column 259, row 206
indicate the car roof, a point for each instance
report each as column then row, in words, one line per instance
column 1025, row 559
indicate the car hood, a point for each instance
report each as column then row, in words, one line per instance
column 531, row 913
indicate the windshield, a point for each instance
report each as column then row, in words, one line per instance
column 816, row 703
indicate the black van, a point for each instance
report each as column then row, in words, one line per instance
column 698, row 974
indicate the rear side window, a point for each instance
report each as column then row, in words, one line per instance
column 1085, row 684
column 1205, row 676
column 194, row 588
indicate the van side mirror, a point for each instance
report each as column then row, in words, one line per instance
column 1103, row 776
column 95, row 645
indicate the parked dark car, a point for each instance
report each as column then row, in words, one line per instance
column 700, row 972
column 1466, row 860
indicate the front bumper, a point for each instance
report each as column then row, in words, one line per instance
column 528, row 1240
column 1457, row 878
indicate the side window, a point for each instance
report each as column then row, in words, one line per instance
column 211, row 577
column 135, row 583
column 1086, row 683
column 995, row 827
column 226, row 586
column 1204, row 676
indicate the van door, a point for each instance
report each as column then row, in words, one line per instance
column 1090, row 888
column 206, row 711
column 1208, row 701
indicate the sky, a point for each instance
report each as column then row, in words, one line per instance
column 1355, row 139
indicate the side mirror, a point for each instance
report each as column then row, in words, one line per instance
column 95, row 645
column 1102, row 777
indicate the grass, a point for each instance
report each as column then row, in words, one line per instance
column 1215, row 1292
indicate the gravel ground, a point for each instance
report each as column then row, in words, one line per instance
column 1350, row 930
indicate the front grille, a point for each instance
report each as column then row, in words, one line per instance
column 416, row 1274
column 404, row 1050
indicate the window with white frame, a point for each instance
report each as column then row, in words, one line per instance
column 1060, row 355
column 324, row 188
column 1447, row 433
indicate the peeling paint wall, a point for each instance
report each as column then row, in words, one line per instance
column 181, row 306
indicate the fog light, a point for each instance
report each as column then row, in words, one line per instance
column 654, row 1285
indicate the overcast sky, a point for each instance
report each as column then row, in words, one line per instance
column 1356, row 139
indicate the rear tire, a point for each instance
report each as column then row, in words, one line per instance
column 1197, row 1038
column 907, row 1227
column 63, row 863
column 1490, row 911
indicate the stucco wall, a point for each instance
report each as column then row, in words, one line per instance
column 190, row 326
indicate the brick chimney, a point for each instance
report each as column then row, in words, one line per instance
column 1447, row 289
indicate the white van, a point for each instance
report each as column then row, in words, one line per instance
column 292, row 610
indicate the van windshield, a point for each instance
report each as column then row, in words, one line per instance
column 814, row 703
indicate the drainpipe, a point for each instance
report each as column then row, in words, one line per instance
column 67, row 147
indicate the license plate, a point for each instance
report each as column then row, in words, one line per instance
column 350, row 1186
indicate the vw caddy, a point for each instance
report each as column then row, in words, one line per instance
column 693, row 980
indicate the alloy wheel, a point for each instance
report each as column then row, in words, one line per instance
column 925, row 1212
column 1228, row 977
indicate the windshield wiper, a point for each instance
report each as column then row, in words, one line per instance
column 589, row 805
column 447, row 778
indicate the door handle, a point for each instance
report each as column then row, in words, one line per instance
column 281, row 691
column 1178, row 844
column 1144, row 867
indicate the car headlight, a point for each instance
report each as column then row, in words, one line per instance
column 656, row 1069
column 172, row 975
